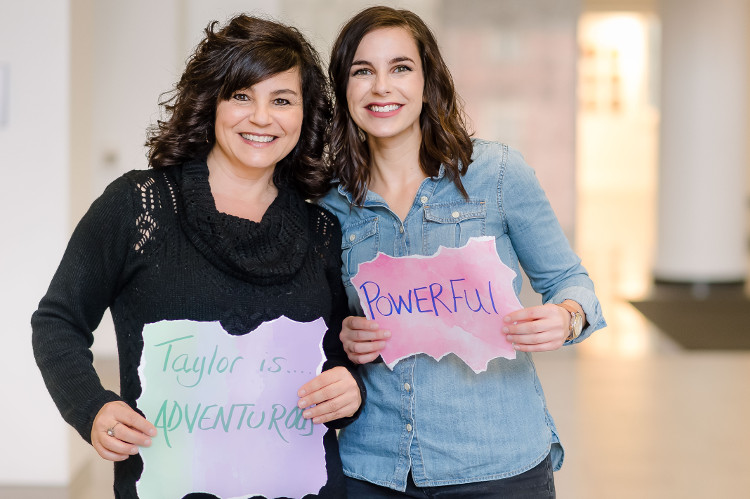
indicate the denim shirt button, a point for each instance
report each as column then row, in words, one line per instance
column 407, row 386
column 408, row 427
column 455, row 214
column 423, row 199
column 352, row 237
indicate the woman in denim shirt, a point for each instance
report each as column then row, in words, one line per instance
column 409, row 181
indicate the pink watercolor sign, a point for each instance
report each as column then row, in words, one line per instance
column 226, row 410
column 452, row 302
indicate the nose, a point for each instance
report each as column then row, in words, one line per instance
column 382, row 84
column 261, row 114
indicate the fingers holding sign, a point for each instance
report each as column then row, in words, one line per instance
column 333, row 393
column 537, row 329
column 118, row 431
column 362, row 339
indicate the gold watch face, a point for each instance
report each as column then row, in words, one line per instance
column 577, row 324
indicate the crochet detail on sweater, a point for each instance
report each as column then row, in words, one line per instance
column 146, row 224
column 150, row 202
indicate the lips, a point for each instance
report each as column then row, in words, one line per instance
column 257, row 138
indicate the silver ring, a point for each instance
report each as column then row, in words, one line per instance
column 111, row 431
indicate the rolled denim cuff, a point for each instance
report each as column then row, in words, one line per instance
column 590, row 305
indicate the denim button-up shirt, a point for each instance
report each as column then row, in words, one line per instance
column 440, row 419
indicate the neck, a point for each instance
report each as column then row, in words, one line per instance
column 394, row 162
column 395, row 172
column 244, row 193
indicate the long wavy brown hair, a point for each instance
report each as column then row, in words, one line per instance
column 243, row 52
column 445, row 139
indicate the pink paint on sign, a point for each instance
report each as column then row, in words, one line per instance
column 452, row 302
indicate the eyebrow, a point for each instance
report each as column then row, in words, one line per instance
column 403, row 58
column 284, row 91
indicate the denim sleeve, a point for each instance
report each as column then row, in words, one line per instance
column 554, row 270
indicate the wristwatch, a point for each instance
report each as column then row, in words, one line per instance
column 576, row 324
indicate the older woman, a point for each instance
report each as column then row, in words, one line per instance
column 217, row 230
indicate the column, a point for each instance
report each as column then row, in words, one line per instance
column 702, row 227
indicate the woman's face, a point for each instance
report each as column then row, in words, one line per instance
column 258, row 126
column 386, row 83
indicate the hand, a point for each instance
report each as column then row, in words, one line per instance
column 130, row 430
column 537, row 329
column 362, row 339
column 334, row 393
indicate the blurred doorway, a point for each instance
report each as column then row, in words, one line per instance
column 617, row 161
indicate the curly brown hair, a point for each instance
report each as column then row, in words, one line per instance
column 241, row 53
column 445, row 139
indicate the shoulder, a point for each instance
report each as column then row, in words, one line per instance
column 132, row 182
column 118, row 195
column 145, row 179
column 324, row 229
column 335, row 200
column 318, row 211
column 490, row 157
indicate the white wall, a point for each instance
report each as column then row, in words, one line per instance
column 34, row 203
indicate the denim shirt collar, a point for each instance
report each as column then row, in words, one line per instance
column 371, row 197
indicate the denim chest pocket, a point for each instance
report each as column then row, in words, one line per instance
column 452, row 224
column 359, row 244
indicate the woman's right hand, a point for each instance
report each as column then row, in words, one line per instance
column 362, row 339
column 130, row 430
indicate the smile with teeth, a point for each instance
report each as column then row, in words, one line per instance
column 384, row 109
column 257, row 138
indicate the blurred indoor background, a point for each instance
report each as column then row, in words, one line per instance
column 634, row 113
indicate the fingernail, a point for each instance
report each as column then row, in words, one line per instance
column 152, row 432
column 302, row 403
column 506, row 330
column 133, row 451
column 301, row 393
column 306, row 414
column 147, row 442
column 506, row 318
column 374, row 326
column 387, row 334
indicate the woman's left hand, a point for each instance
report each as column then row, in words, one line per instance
column 537, row 329
column 334, row 393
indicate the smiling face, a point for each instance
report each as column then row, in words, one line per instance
column 386, row 84
column 258, row 126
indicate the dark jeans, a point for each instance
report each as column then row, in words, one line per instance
column 537, row 483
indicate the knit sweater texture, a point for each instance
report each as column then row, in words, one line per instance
column 153, row 247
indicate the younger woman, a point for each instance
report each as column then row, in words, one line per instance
column 409, row 181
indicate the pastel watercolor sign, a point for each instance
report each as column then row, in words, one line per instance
column 452, row 302
column 225, row 408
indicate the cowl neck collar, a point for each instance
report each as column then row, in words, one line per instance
column 266, row 252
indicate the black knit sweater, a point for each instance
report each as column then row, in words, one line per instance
column 153, row 247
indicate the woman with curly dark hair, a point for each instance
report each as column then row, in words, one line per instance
column 218, row 230
column 410, row 180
